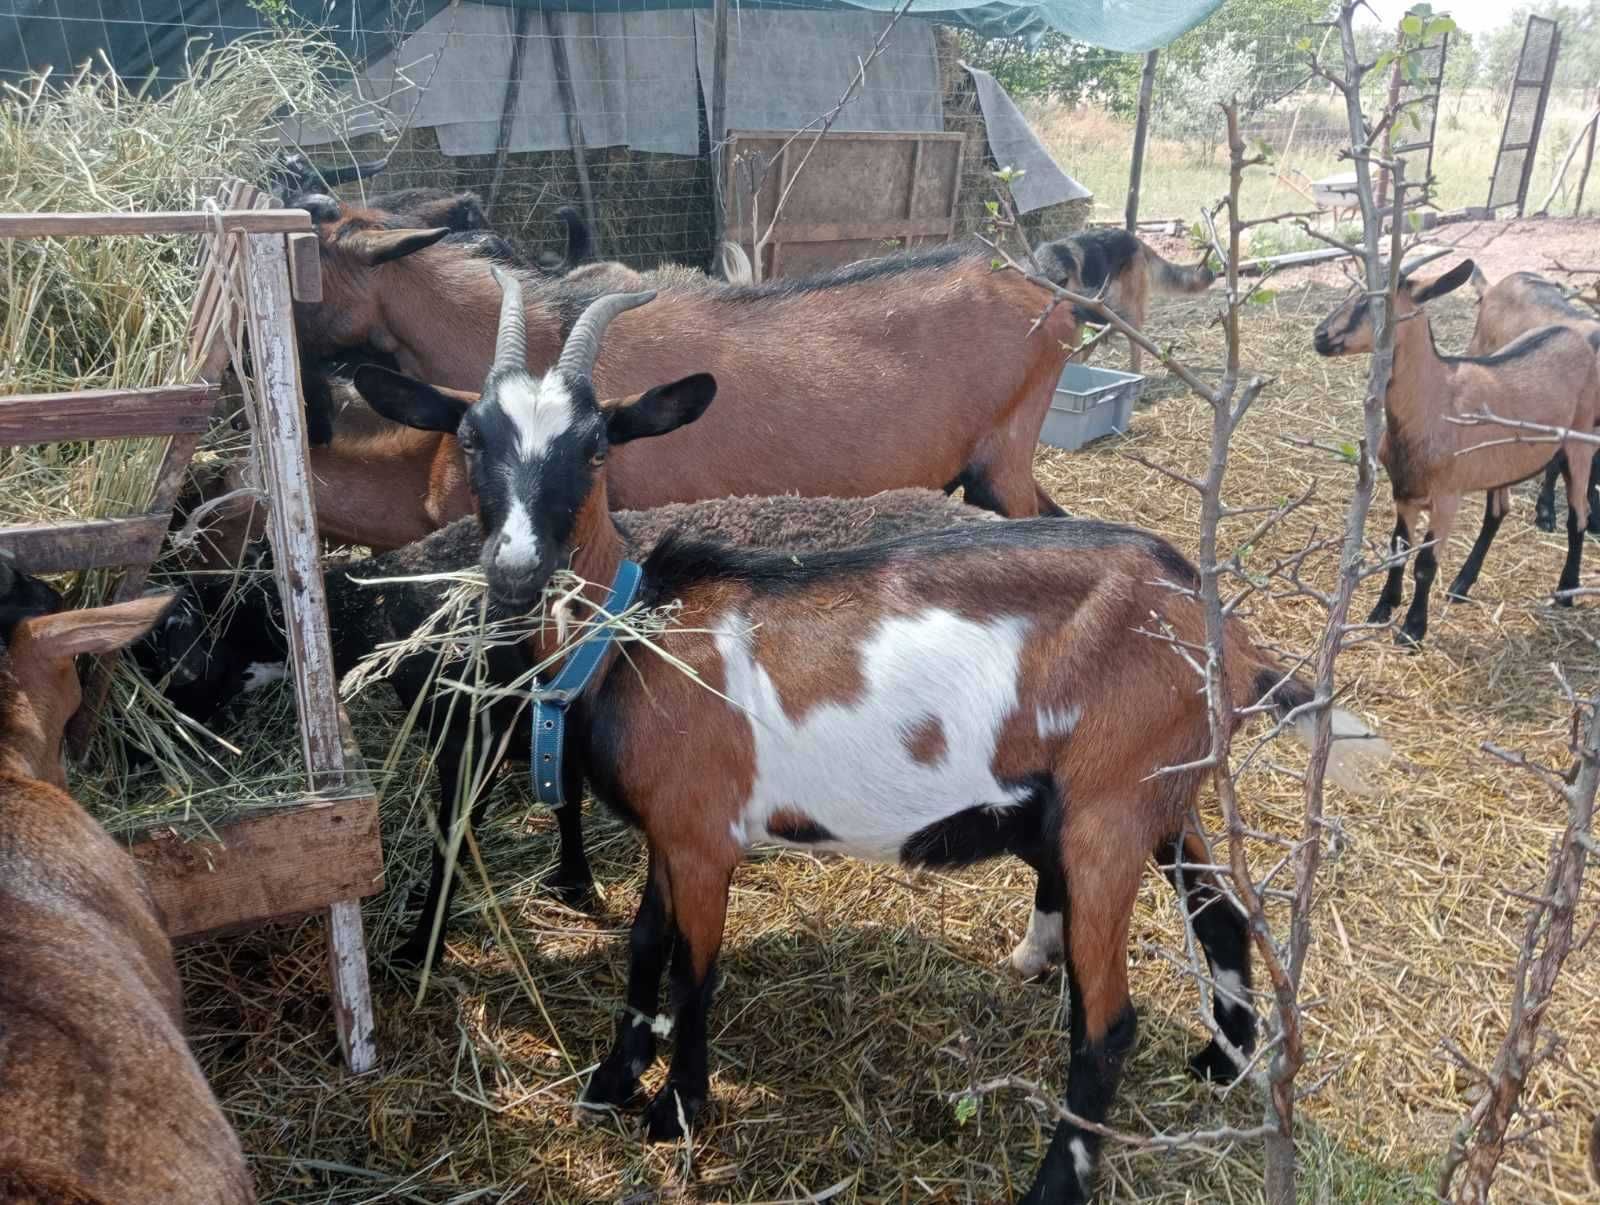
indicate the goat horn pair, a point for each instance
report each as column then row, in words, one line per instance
column 583, row 345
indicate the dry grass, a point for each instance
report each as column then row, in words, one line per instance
column 855, row 997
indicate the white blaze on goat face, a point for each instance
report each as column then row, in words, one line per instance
column 846, row 766
column 519, row 546
column 540, row 411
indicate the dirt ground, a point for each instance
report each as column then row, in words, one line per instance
column 858, row 1002
column 1498, row 248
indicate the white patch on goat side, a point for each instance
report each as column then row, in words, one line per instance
column 1230, row 989
column 1058, row 721
column 260, row 673
column 539, row 412
column 845, row 767
column 1082, row 1161
column 518, row 544
column 1041, row 946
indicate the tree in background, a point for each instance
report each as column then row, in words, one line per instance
column 1059, row 69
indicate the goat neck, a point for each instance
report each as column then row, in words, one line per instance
column 1419, row 383
column 597, row 550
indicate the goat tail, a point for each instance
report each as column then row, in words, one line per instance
column 1167, row 277
column 1357, row 752
column 735, row 265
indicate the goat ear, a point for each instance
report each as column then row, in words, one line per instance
column 1448, row 283
column 660, row 410
column 376, row 247
column 458, row 211
column 1479, row 282
column 67, row 634
column 410, row 402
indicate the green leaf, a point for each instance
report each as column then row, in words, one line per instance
column 1349, row 452
column 1438, row 27
column 1383, row 60
column 996, row 264
column 1414, row 220
column 993, row 207
column 1411, row 26
column 966, row 1109
column 1304, row 44
column 1263, row 296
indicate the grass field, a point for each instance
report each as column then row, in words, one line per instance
column 1093, row 146
column 858, row 1000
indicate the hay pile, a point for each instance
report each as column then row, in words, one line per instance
column 88, row 313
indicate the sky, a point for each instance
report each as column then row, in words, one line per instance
column 1474, row 16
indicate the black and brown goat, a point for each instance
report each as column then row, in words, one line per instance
column 1513, row 306
column 924, row 369
column 103, row 1103
column 1548, row 376
column 940, row 699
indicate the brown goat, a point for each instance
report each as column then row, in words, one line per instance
column 917, row 370
column 935, row 700
column 1514, row 306
column 103, row 1104
column 1548, row 376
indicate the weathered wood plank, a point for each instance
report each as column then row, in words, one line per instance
column 286, row 863
column 278, row 419
column 87, row 544
column 38, row 418
column 305, row 268
column 68, row 225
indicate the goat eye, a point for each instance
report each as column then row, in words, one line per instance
column 598, row 459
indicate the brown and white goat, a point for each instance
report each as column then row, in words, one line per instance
column 999, row 688
column 103, row 1103
column 1513, row 306
column 924, row 369
column 1547, row 376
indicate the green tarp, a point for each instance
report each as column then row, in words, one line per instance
column 141, row 37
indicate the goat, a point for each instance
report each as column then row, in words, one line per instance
column 1547, row 376
column 1518, row 304
column 1125, row 270
column 938, row 699
column 796, row 358
column 103, row 1101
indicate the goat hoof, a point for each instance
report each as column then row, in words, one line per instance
column 661, row 1122
column 1545, row 522
column 416, row 897
column 410, row 954
column 577, row 894
column 612, row 1086
column 1380, row 614
column 1457, row 593
column 1409, row 640
column 1566, row 601
column 1213, row 1066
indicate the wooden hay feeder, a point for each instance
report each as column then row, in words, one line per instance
column 321, row 854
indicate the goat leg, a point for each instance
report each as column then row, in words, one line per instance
column 1394, row 584
column 1416, row 625
column 1493, row 515
column 1544, row 507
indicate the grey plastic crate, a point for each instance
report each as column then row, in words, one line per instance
column 1089, row 403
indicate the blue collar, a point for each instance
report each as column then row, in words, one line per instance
column 550, row 702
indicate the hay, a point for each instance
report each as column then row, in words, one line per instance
column 856, row 997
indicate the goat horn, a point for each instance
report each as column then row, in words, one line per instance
column 1411, row 265
column 511, row 343
column 356, row 171
column 8, row 572
column 583, row 345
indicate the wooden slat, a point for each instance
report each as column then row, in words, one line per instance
column 38, row 418
column 278, row 419
column 833, row 232
column 287, row 863
column 305, row 267
column 89, row 544
column 68, row 225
